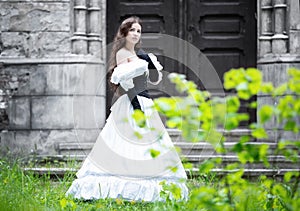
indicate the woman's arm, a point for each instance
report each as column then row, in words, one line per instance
column 123, row 57
column 155, row 75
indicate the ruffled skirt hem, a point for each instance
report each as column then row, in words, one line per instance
column 93, row 187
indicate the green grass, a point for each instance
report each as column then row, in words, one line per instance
column 27, row 191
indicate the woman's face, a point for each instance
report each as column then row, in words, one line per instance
column 134, row 33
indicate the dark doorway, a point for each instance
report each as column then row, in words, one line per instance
column 224, row 30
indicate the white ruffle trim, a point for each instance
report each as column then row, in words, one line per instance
column 156, row 63
column 92, row 185
column 126, row 71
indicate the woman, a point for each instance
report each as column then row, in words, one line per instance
column 128, row 160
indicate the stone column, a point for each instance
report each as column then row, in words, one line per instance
column 280, row 38
column 79, row 39
column 294, row 42
column 266, row 27
column 94, row 40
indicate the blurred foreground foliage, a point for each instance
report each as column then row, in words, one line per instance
column 204, row 117
column 199, row 116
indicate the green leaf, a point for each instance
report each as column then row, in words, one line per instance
column 243, row 117
column 174, row 122
column 259, row 133
column 254, row 74
column 233, row 104
column 280, row 90
column 162, row 104
column 265, row 113
column 154, row 153
column 206, row 166
column 139, row 118
column 232, row 121
column 244, row 94
column 253, row 104
column 267, row 88
column 188, row 165
column 288, row 176
column 138, row 135
column 294, row 73
column 291, row 125
column 63, row 203
column 173, row 168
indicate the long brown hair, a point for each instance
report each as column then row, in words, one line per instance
column 118, row 43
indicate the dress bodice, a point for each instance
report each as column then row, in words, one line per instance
column 134, row 76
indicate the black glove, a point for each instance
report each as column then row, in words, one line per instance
column 153, row 75
column 132, row 94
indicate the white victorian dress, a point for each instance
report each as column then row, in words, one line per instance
column 128, row 161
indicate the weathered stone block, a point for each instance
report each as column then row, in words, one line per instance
column 19, row 113
column 279, row 46
column 35, row 44
column 85, row 136
column 6, row 139
column 277, row 74
column 53, row 112
column 66, row 112
column 72, row 79
column 265, row 45
column 278, row 135
column 34, row 16
column 21, row 142
column 267, row 100
column 42, row 142
column 61, row 79
column 295, row 42
column 80, row 46
column 38, row 81
column 92, row 80
column 22, row 72
column 88, row 112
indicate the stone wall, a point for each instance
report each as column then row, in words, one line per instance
column 278, row 46
column 60, row 43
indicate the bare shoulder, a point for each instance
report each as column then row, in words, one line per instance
column 122, row 56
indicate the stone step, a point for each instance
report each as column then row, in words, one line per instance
column 274, row 161
column 191, row 173
column 279, row 161
column 231, row 136
column 201, row 147
column 84, row 148
column 204, row 148
column 196, row 153
column 187, row 148
column 255, row 173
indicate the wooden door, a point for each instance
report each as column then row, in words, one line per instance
column 224, row 30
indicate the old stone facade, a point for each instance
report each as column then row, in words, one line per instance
column 278, row 45
column 61, row 44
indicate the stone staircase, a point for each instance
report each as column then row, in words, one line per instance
column 195, row 153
